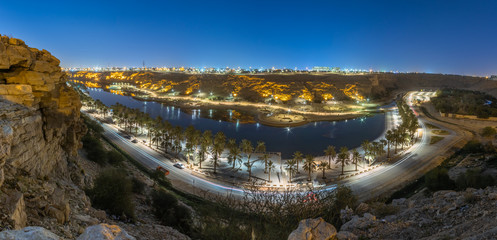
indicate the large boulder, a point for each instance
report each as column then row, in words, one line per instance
column 105, row 232
column 359, row 222
column 344, row 235
column 313, row 229
column 28, row 233
column 13, row 203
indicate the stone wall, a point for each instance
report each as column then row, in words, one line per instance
column 40, row 124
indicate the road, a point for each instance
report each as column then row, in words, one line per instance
column 416, row 160
column 419, row 159
column 181, row 178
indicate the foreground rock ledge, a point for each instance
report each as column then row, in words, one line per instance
column 96, row 232
column 313, row 229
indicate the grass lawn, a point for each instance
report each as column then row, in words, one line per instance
column 435, row 139
column 440, row 132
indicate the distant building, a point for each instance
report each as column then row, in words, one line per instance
column 493, row 77
column 320, row 69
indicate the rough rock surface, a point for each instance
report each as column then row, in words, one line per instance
column 105, row 232
column 40, row 131
column 447, row 214
column 15, row 209
column 28, row 233
column 39, row 113
column 313, row 229
column 468, row 214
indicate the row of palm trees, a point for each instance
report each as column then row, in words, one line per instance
column 199, row 146
column 402, row 135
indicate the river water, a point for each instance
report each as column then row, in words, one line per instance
column 311, row 138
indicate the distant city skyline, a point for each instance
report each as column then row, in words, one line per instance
column 456, row 37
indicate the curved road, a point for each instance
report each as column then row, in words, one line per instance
column 418, row 159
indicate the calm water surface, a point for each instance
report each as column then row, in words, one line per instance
column 311, row 138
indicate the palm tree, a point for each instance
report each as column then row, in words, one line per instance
column 396, row 136
column 384, row 143
column 235, row 153
column 190, row 142
column 178, row 137
column 290, row 165
column 270, row 167
column 389, row 136
column 298, row 157
column 247, row 148
column 343, row 157
column 196, row 141
column 355, row 157
column 331, row 153
column 265, row 157
column 219, row 142
column 366, row 146
column 249, row 166
column 261, row 147
column 205, row 144
column 375, row 146
column 323, row 165
column 309, row 165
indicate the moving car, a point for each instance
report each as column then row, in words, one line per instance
column 179, row 165
column 165, row 171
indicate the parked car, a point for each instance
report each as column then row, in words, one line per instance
column 134, row 141
column 165, row 171
column 179, row 165
column 127, row 137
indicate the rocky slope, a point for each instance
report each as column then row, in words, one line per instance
column 39, row 112
column 42, row 177
column 468, row 214
column 40, row 127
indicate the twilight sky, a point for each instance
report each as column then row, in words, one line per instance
column 449, row 36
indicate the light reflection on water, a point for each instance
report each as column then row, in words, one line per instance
column 311, row 138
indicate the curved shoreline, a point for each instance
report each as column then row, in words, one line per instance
column 256, row 113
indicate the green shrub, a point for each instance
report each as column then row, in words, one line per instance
column 470, row 198
column 112, row 192
column 138, row 186
column 169, row 212
column 93, row 125
column 472, row 146
column 382, row 210
column 472, row 178
column 114, row 157
column 94, row 149
column 159, row 176
column 438, row 179
column 488, row 132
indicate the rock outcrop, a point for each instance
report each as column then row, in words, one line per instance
column 29, row 233
column 39, row 113
column 313, row 229
column 96, row 232
column 15, row 207
column 105, row 232
column 40, row 131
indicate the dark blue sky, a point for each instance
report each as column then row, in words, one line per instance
column 428, row 36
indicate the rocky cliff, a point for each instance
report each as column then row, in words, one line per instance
column 39, row 113
column 40, row 129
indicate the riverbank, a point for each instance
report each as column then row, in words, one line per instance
column 262, row 113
